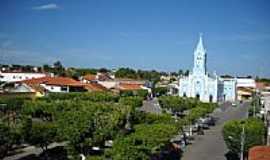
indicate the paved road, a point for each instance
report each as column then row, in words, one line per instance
column 151, row 106
column 31, row 150
column 211, row 145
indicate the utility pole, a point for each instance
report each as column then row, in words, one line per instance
column 254, row 104
column 242, row 142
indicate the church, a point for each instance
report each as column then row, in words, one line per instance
column 205, row 86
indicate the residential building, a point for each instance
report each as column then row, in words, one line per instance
column 89, row 78
column 245, row 88
column 263, row 88
column 22, row 89
column 19, row 76
column 229, row 89
column 246, row 82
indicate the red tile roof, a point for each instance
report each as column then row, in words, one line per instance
column 259, row 153
column 129, row 86
column 63, row 81
column 58, row 81
column 36, row 80
column 94, row 87
column 261, row 85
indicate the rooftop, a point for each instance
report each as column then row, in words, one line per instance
column 58, row 81
column 259, row 153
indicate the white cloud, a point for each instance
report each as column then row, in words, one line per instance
column 51, row 6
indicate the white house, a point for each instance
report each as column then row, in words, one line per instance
column 246, row 82
column 18, row 76
column 229, row 89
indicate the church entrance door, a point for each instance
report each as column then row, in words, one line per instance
column 210, row 98
column 198, row 96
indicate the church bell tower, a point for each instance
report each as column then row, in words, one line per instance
column 199, row 67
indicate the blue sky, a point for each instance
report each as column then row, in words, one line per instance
column 142, row 34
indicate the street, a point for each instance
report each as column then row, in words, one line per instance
column 211, row 146
column 151, row 106
column 32, row 152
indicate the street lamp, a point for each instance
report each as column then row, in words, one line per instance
column 254, row 104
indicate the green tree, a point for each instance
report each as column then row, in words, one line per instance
column 173, row 103
column 134, row 102
column 91, row 124
column 58, row 68
column 142, row 93
column 84, row 71
column 160, row 91
column 57, row 64
column 41, row 134
column 180, row 72
column 126, row 93
column 186, row 73
column 8, row 137
column 144, row 142
column 254, row 134
column 126, row 73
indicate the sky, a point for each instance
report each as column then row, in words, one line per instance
column 141, row 34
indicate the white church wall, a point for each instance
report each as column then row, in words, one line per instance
column 203, row 85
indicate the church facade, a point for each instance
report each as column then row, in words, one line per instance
column 202, row 85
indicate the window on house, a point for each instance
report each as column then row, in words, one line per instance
column 64, row 88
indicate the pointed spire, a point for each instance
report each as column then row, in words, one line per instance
column 200, row 47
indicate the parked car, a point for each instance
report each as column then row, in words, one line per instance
column 200, row 131
column 210, row 120
column 202, row 125
column 206, row 122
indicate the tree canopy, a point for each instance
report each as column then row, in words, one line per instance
column 144, row 142
column 254, row 131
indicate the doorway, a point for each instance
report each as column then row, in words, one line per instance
column 211, row 98
column 198, row 96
